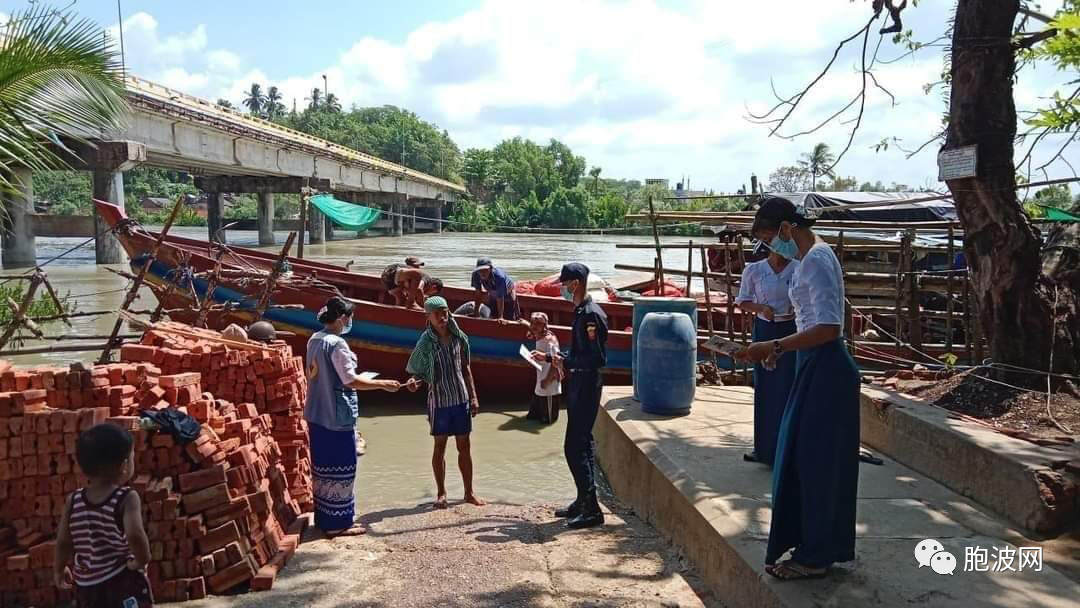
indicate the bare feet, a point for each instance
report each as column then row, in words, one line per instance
column 473, row 499
column 440, row 502
column 355, row 530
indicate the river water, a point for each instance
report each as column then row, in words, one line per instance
column 516, row 460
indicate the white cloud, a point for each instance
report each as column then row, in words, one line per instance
column 638, row 87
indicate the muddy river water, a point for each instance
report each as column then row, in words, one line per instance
column 516, row 460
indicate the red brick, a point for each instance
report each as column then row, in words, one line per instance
column 179, row 380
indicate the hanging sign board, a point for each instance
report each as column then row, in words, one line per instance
column 957, row 163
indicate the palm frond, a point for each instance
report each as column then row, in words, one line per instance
column 59, row 76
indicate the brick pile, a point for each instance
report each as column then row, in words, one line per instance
column 221, row 512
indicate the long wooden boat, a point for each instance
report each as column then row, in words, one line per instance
column 382, row 335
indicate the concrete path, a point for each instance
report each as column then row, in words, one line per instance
column 686, row 476
column 499, row 555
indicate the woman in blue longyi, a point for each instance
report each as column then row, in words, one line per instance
column 331, row 412
column 816, row 472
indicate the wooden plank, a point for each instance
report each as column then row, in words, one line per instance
column 914, row 305
column 949, row 291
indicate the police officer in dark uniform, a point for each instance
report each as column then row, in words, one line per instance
column 583, row 362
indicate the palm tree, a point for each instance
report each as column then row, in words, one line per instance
column 59, row 76
column 274, row 107
column 819, row 162
column 255, row 100
column 315, row 101
column 595, row 174
column 332, row 103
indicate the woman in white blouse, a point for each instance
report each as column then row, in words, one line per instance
column 764, row 292
column 816, row 473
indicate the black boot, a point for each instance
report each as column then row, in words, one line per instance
column 589, row 516
column 570, row 511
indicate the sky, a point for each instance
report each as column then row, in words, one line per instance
column 642, row 89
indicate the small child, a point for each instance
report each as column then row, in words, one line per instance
column 102, row 527
column 441, row 358
column 545, row 403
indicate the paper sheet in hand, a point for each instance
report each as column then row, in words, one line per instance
column 368, row 376
column 723, row 346
column 527, row 355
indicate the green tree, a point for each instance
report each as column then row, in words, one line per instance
column 788, row 179
column 569, row 166
column 255, row 99
column 567, row 208
column 594, row 173
column 274, row 107
column 478, row 169
column 315, row 101
column 58, row 75
column 63, row 192
column 332, row 104
column 525, row 167
column 225, row 103
column 818, row 162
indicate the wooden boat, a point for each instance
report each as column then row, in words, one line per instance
column 382, row 335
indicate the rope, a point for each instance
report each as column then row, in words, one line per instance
column 541, row 230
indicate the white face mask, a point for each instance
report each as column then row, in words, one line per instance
column 567, row 293
column 347, row 328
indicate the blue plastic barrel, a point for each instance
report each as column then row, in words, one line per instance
column 667, row 358
column 645, row 305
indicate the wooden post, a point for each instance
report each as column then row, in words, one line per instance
column 901, row 268
column 659, row 250
column 728, row 281
column 977, row 336
column 137, row 283
column 689, row 267
column 914, row 305
column 18, row 313
column 967, row 321
column 211, row 286
column 745, row 320
column 708, row 299
column 275, row 272
column 849, row 323
column 304, row 202
column 949, row 293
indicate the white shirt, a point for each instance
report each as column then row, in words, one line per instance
column 548, row 345
column 817, row 289
column 343, row 357
column 762, row 285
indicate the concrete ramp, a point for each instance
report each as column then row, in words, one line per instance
column 687, row 478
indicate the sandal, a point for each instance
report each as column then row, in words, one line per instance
column 789, row 570
column 356, row 530
column 750, row 457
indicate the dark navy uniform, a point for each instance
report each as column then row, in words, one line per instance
column 583, row 363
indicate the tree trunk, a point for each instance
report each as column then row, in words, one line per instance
column 1015, row 297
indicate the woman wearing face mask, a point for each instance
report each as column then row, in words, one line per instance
column 331, row 413
column 816, row 472
column 764, row 292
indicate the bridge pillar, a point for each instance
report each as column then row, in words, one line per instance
column 19, row 240
column 215, row 202
column 108, row 186
column 410, row 221
column 436, row 216
column 328, row 230
column 397, row 207
column 265, row 219
column 316, row 221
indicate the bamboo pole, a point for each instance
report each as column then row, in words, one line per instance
column 708, row 298
column 20, row 312
column 967, row 322
column 275, row 272
column 949, row 291
column 901, row 268
column 743, row 324
column 730, row 298
column 659, row 249
column 52, row 295
column 211, row 286
column 689, row 267
column 848, row 321
column 137, row 283
column 914, row 305
column 72, row 348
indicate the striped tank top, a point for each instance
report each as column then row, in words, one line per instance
column 97, row 532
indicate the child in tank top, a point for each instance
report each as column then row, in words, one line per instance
column 101, row 544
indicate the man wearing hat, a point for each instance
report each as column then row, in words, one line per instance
column 583, row 364
column 501, row 298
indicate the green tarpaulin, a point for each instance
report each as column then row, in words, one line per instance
column 1057, row 215
column 347, row 215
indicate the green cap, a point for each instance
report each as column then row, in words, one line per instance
column 435, row 303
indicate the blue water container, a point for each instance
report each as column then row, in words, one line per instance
column 645, row 305
column 667, row 359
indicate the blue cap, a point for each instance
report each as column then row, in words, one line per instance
column 483, row 263
column 574, row 271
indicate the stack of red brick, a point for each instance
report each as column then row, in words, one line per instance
column 221, row 511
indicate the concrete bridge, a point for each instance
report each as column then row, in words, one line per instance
column 228, row 152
